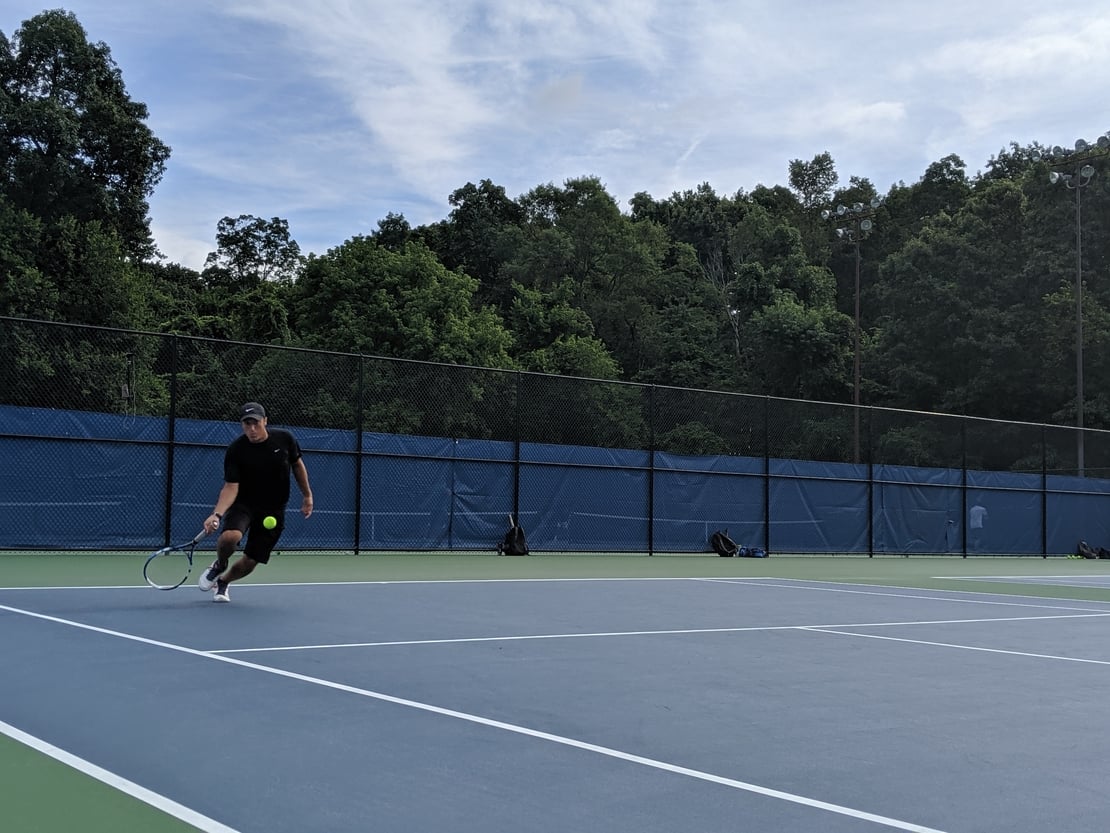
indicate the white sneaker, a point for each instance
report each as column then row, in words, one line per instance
column 207, row 580
column 222, row 594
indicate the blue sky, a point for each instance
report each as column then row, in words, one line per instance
column 333, row 113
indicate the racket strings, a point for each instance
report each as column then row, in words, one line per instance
column 168, row 568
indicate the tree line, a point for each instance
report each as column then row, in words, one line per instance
column 967, row 282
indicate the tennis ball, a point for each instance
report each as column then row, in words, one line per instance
column 269, row 522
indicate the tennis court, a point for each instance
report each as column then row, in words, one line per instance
column 558, row 693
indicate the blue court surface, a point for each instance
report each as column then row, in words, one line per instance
column 623, row 705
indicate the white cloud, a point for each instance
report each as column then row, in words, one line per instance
column 334, row 113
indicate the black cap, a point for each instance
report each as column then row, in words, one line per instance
column 251, row 410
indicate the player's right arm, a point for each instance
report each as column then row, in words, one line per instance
column 227, row 497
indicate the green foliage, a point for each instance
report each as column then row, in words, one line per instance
column 683, row 344
column 251, row 251
column 72, row 142
column 971, row 335
column 76, row 368
column 364, row 298
column 173, row 292
column 813, row 181
column 799, row 352
column 95, row 282
column 477, row 238
column 693, row 438
column 24, row 291
column 393, row 232
column 556, row 337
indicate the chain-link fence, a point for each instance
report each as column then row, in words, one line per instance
column 105, row 427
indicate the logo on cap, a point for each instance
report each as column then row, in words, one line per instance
column 252, row 410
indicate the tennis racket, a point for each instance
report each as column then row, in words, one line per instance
column 169, row 567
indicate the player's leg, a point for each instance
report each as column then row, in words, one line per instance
column 236, row 522
column 240, row 569
column 260, row 543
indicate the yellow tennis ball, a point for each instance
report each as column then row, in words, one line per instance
column 269, row 522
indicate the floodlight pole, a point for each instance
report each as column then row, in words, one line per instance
column 853, row 224
column 1079, row 451
column 856, row 361
column 1074, row 170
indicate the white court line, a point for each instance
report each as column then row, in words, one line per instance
column 988, row 601
column 985, row 593
column 1004, row 578
column 756, row 789
column 144, row 585
column 961, row 647
column 754, row 628
column 132, row 789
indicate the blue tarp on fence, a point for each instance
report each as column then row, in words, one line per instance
column 84, row 481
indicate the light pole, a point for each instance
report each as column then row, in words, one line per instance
column 852, row 225
column 1074, row 169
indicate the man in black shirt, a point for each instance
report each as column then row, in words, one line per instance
column 257, row 466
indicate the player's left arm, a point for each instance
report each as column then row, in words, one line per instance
column 300, row 474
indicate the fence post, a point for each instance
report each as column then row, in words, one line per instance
column 360, row 392
column 1044, row 493
column 767, row 474
column 870, row 485
column 516, row 449
column 171, row 435
column 963, row 489
column 651, row 472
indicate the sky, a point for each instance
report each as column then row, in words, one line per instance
column 332, row 114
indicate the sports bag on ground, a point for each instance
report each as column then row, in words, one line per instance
column 722, row 544
column 1085, row 550
column 727, row 548
column 514, row 542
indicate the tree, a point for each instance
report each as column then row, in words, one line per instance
column 393, row 232
column 251, row 251
column 795, row 351
column 478, row 237
column 96, row 284
column 361, row 297
column 174, row 294
column 813, row 181
column 72, row 141
column 24, row 290
column 699, row 218
column 553, row 336
column 683, row 340
column 966, row 314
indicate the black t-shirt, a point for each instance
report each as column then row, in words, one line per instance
column 262, row 469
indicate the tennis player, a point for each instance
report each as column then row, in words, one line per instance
column 257, row 466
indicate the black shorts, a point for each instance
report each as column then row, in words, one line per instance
column 248, row 520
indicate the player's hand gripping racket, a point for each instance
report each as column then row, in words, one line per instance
column 169, row 567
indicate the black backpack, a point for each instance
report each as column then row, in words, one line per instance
column 1084, row 550
column 722, row 544
column 513, row 543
